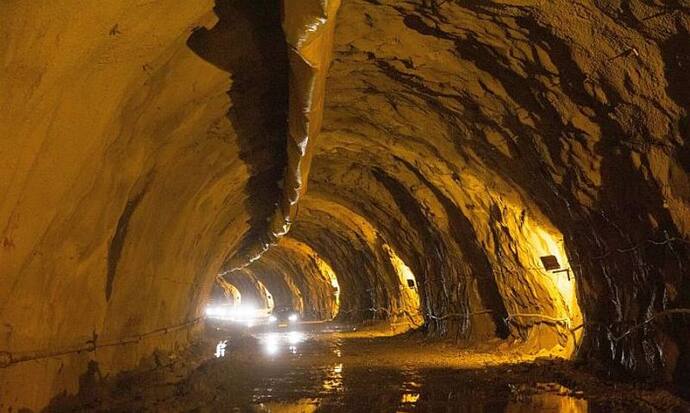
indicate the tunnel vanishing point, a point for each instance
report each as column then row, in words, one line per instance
column 514, row 172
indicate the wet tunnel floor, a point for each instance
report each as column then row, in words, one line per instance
column 315, row 368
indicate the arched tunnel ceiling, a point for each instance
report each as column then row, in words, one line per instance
column 148, row 147
column 476, row 138
column 465, row 119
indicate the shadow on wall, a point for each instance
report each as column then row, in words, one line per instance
column 439, row 261
column 676, row 54
column 259, row 95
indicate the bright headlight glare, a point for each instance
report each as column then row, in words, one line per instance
column 272, row 319
column 295, row 337
column 244, row 313
column 271, row 343
column 292, row 317
column 214, row 311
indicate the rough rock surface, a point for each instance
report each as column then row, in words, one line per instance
column 124, row 184
column 142, row 146
column 485, row 123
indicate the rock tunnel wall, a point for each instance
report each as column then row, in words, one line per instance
column 477, row 137
column 136, row 152
column 301, row 267
column 253, row 291
column 143, row 150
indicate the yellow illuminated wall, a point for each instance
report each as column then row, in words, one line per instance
column 542, row 243
column 230, row 291
column 408, row 286
column 514, row 234
column 326, row 281
column 266, row 295
column 328, row 273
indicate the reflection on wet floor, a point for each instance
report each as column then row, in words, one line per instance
column 334, row 380
column 409, row 398
column 274, row 343
column 556, row 398
column 410, row 402
column 410, row 388
column 549, row 403
column 303, row 369
column 281, row 381
column 300, row 406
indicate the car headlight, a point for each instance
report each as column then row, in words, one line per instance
column 272, row 319
column 292, row 317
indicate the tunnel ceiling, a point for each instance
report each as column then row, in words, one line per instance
column 148, row 147
column 473, row 139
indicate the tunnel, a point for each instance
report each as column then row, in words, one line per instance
column 345, row 205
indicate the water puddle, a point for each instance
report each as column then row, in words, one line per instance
column 337, row 385
column 539, row 398
column 297, row 371
column 334, row 378
column 410, row 389
column 276, row 343
column 300, row 406
column 546, row 397
column 409, row 398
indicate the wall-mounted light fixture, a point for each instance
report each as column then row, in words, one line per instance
column 550, row 263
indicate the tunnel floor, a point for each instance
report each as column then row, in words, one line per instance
column 324, row 367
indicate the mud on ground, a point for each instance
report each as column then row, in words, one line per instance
column 333, row 368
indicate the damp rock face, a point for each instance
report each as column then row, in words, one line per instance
column 144, row 147
column 140, row 142
column 475, row 138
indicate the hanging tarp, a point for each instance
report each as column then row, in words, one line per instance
column 308, row 26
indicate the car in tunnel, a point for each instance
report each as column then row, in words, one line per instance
column 283, row 316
